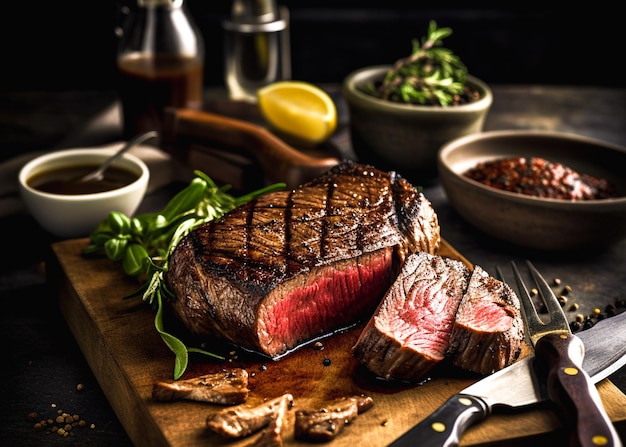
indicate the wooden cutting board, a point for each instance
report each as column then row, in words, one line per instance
column 127, row 356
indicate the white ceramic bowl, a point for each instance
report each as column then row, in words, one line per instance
column 73, row 216
column 532, row 222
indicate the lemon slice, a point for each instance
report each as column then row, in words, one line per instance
column 298, row 109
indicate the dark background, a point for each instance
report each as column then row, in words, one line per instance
column 71, row 44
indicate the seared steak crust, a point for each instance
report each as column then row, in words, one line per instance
column 488, row 329
column 291, row 266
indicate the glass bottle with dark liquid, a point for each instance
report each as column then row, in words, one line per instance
column 160, row 64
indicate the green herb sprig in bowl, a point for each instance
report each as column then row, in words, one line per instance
column 142, row 245
column 430, row 75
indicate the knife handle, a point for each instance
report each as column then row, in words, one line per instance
column 570, row 387
column 444, row 427
column 279, row 161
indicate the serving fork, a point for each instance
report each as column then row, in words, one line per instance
column 560, row 355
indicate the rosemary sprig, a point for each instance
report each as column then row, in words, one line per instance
column 430, row 75
column 143, row 244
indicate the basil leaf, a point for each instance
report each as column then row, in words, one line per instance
column 119, row 222
column 176, row 346
column 115, row 248
column 135, row 260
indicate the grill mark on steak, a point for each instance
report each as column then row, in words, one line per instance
column 230, row 274
column 488, row 329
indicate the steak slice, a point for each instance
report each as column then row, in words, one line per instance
column 325, row 424
column 228, row 387
column 291, row 266
column 243, row 420
column 488, row 332
column 410, row 331
column 271, row 435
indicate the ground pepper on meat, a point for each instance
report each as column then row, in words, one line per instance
column 538, row 177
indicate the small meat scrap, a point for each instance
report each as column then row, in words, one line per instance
column 325, row 424
column 271, row 435
column 228, row 387
column 243, row 420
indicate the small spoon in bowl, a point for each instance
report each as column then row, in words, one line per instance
column 98, row 174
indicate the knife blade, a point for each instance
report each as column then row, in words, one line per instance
column 515, row 386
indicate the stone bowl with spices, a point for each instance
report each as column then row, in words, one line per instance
column 547, row 191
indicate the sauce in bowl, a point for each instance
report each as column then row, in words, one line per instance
column 66, row 180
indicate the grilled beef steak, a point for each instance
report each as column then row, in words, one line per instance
column 410, row 331
column 291, row 266
column 438, row 309
column 488, row 329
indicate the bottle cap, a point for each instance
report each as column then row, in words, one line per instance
column 253, row 16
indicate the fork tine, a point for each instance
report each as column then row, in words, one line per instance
column 499, row 274
column 529, row 313
column 549, row 299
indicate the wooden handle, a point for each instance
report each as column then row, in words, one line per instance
column 279, row 161
column 446, row 425
column 570, row 387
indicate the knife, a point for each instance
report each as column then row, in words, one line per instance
column 559, row 354
column 515, row 386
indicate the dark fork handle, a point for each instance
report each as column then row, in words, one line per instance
column 570, row 387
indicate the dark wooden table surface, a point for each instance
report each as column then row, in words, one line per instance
column 44, row 370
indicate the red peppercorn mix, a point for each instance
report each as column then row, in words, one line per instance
column 540, row 178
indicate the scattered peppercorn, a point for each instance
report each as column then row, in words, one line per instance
column 63, row 423
column 580, row 322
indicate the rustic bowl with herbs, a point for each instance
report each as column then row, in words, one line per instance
column 68, row 208
column 400, row 115
column 548, row 191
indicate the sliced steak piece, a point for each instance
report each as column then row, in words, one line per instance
column 244, row 420
column 226, row 388
column 325, row 424
column 271, row 435
column 291, row 266
column 410, row 331
column 488, row 332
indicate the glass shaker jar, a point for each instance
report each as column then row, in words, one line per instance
column 160, row 63
column 257, row 47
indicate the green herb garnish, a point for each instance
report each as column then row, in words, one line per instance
column 431, row 75
column 142, row 244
